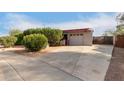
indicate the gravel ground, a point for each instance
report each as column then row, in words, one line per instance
column 116, row 67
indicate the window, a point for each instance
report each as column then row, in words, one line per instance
column 81, row 34
column 73, row 34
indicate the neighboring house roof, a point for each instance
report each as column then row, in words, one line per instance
column 78, row 30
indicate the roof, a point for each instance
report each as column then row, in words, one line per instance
column 78, row 30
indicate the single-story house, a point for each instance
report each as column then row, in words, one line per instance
column 78, row 36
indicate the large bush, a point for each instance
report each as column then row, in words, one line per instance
column 32, row 31
column 8, row 41
column 35, row 42
column 54, row 35
column 17, row 33
column 19, row 39
column 0, row 40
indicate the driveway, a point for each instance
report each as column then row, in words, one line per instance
column 72, row 63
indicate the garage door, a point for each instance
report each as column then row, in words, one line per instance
column 76, row 39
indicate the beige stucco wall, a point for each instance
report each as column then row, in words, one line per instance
column 87, row 38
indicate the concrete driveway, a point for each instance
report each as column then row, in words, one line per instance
column 63, row 63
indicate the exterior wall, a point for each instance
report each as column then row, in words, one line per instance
column 87, row 38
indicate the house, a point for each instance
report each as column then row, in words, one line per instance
column 78, row 36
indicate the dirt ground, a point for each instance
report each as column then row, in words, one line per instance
column 116, row 68
column 22, row 51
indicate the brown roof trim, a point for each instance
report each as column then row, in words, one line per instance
column 78, row 30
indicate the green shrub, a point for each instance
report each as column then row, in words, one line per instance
column 14, row 32
column 0, row 40
column 17, row 33
column 54, row 35
column 8, row 41
column 35, row 42
column 32, row 31
column 19, row 39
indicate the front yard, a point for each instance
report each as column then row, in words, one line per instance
column 56, row 63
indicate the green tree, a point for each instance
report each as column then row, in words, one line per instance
column 120, row 26
column 18, row 34
column 120, row 30
column 54, row 35
column 15, row 32
column 109, row 33
column 19, row 39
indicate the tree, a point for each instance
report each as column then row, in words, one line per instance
column 19, row 39
column 18, row 34
column 54, row 35
column 15, row 32
column 109, row 33
column 120, row 26
column 120, row 30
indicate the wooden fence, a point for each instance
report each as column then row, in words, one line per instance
column 103, row 40
column 119, row 41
